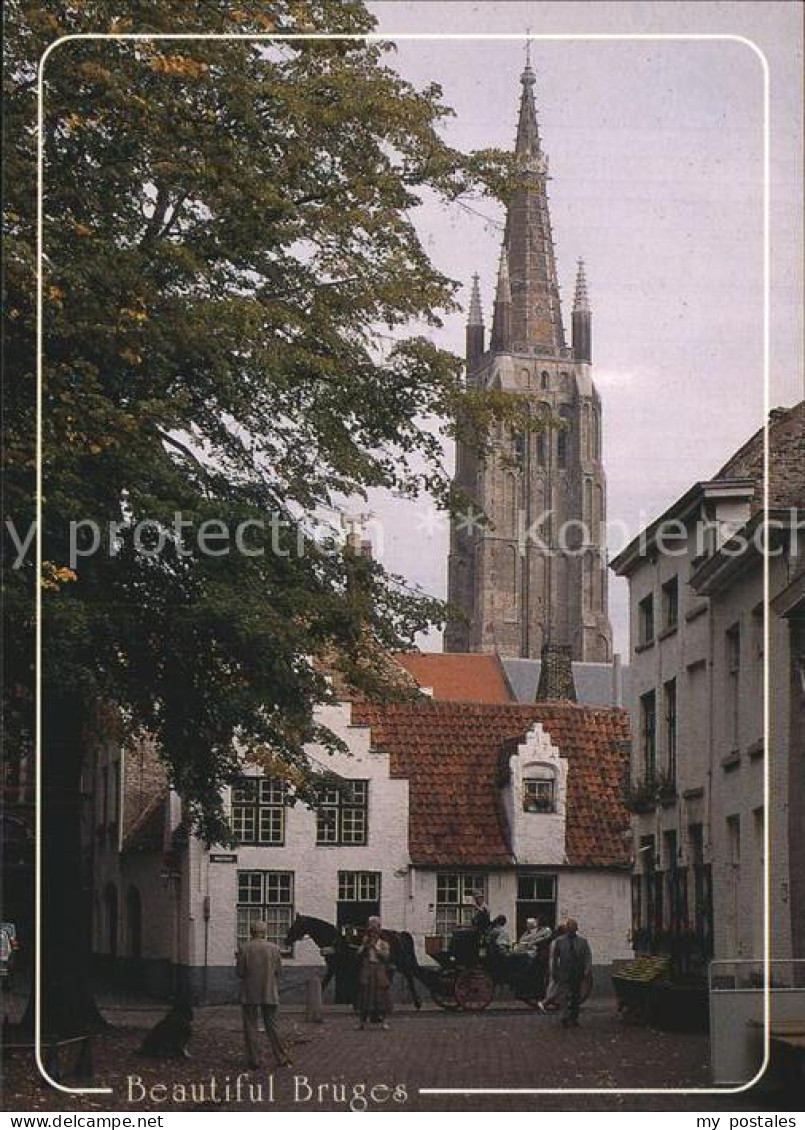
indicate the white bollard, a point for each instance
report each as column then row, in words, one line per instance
column 313, row 1009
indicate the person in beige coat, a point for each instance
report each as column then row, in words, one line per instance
column 259, row 962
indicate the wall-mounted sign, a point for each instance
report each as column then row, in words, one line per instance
column 223, row 859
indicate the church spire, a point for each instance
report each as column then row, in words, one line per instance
column 501, row 321
column 476, row 314
column 536, row 317
column 475, row 325
column 582, row 319
column 527, row 129
column 581, row 302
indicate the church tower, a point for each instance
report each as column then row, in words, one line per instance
column 536, row 573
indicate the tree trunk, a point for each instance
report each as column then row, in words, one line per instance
column 63, row 914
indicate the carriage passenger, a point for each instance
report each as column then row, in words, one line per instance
column 499, row 941
column 535, row 934
column 374, row 986
column 481, row 917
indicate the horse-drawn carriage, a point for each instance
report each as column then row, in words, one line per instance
column 466, row 976
column 470, row 972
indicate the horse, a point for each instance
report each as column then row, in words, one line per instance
column 337, row 952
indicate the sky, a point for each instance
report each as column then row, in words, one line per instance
column 656, row 155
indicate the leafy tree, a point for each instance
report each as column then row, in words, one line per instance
column 227, row 225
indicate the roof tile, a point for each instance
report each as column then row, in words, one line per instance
column 452, row 755
column 458, row 677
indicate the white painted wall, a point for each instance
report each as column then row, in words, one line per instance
column 315, row 867
column 599, row 898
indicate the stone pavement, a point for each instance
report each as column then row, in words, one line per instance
column 335, row 1064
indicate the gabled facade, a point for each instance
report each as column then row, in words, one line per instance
column 537, row 573
column 434, row 800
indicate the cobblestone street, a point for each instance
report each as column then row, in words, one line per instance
column 502, row 1048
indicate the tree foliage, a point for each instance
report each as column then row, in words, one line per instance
column 228, row 227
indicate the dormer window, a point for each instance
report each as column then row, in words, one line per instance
column 539, row 789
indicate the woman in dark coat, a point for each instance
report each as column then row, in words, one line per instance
column 374, row 987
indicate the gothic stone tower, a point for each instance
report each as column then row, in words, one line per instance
column 536, row 574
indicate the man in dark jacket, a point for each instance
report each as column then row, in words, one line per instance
column 572, row 967
column 480, row 917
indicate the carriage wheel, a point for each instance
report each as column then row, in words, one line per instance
column 474, row 990
column 443, row 991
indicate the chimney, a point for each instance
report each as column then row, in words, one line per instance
column 556, row 674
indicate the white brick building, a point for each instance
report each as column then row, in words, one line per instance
column 434, row 800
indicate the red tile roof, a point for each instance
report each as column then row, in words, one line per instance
column 452, row 755
column 457, row 677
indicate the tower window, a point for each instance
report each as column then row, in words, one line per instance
column 545, row 378
column 563, row 438
column 588, row 437
column 561, row 449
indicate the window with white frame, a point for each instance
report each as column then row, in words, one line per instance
column 539, row 789
column 258, row 811
column 359, row 886
column 536, row 898
column 454, row 905
column 265, row 896
column 342, row 813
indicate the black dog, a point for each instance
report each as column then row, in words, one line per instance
column 169, row 1037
